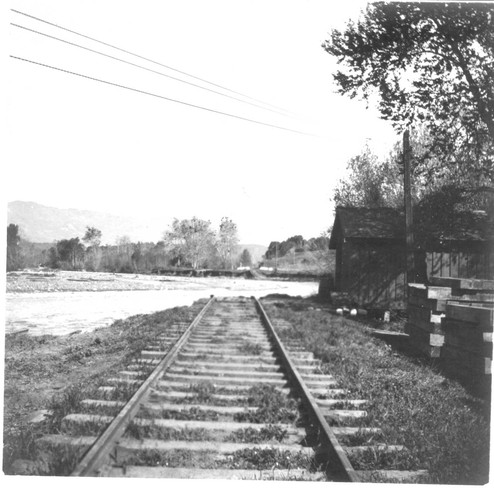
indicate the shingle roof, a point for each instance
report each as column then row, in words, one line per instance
column 371, row 222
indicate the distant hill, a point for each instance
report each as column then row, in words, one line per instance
column 42, row 224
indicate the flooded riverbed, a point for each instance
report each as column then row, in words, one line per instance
column 62, row 312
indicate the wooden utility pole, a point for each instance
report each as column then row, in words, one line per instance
column 407, row 188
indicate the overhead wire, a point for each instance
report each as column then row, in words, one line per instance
column 144, row 68
column 190, row 75
column 177, row 101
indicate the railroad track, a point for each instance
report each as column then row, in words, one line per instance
column 223, row 398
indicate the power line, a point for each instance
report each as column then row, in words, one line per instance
column 159, row 96
column 145, row 58
column 144, row 68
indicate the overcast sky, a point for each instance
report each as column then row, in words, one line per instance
column 75, row 142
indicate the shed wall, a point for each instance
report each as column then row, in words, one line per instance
column 373, row 273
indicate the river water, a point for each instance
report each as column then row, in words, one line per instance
column 60, row 313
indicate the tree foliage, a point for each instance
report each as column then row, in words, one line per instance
column 68, row 254
column 14, row 258
column 92, row 237
column 369, row 183
column 296, row 243
column 191, row 240
column 429, row 64
column 227, row 241
column 246, row 258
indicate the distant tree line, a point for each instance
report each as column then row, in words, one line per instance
column 188, row 243
column 296, row 243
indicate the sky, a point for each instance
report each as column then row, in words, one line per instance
column 77, row 142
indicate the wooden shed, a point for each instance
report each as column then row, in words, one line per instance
column 371, row 253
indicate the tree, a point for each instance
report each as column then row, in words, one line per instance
column 227, row 241
column 369, row 183
column 157, row 257
column 273, row 250
column 429, row 64
column 277, row 249
column 137, row 257
column 191, row 240
column 123, row 241
column 13, row 248
column 53, row 259
column 92, row 237
column 70, row 252
column 246, row 258
column 320, row 242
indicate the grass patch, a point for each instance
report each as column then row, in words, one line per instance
column 119, row 392
column 61, row 461
column 273, row 407
column 250, row 458
column 175, row 458
column 206, row 393
column 155, row 432
column 19, row 442
column 361, row 438
column 109, row 411
column 381, row 459
column 68, row 402
column 24, row 342
column 250, row 348
column 270, row 432
column 445, row 428
column 203, row 390
column 194, row 413
column 263, row 459
column 89, row 428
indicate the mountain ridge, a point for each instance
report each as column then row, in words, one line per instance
column 43, row 224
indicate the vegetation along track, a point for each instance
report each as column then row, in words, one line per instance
column 224, row 399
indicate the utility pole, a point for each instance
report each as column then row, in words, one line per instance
column 407, row 188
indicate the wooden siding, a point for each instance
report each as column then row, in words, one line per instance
column 372, row 273
column 459, row 264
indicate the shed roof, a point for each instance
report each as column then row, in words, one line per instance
column 389, row 223
column 371, row 222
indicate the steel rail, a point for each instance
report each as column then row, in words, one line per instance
column 340, row 465
column 100, row 449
